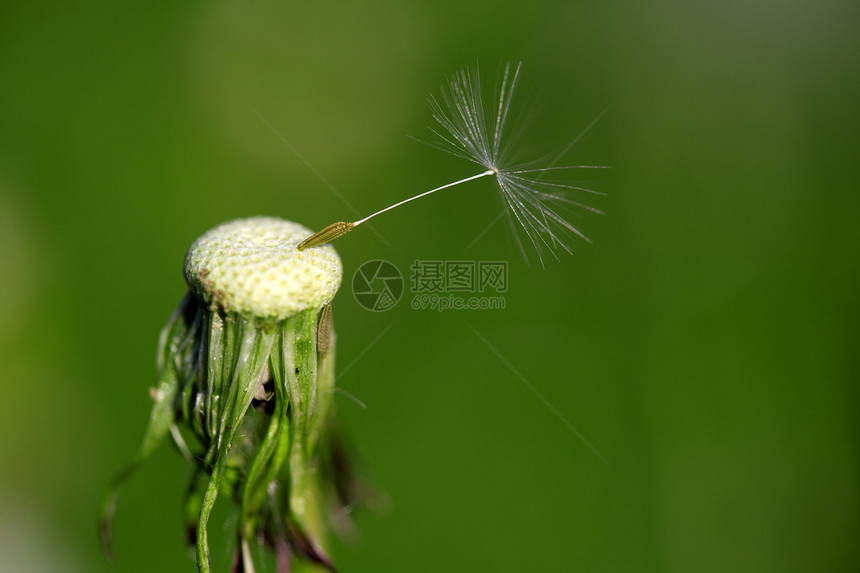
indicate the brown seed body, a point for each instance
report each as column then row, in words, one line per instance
column 330, row 233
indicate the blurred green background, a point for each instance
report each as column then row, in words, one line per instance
column 706, row 343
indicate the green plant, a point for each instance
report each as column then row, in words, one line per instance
column 246, row 367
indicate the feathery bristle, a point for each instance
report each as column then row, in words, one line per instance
column 529, row 199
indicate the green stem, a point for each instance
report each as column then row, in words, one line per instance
column 203, row 560
column 247, row 350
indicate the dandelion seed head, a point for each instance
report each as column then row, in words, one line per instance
column 253, row 267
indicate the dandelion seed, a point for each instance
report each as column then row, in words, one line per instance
column 530, row 200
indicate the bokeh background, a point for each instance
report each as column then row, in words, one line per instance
column 705, row 344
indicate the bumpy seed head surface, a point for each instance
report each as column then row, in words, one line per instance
column 253, row 267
